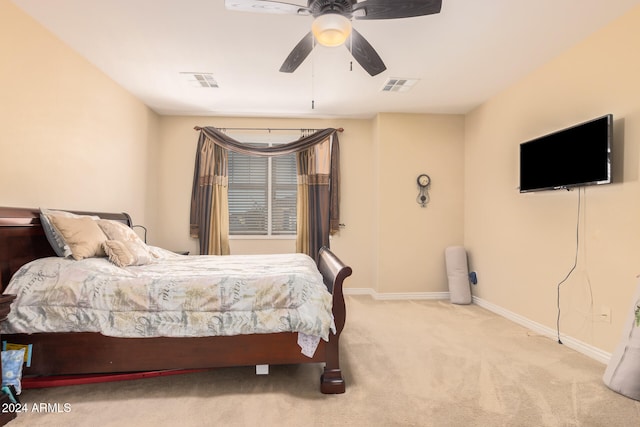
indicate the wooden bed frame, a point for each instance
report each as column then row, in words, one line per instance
column 22, row 240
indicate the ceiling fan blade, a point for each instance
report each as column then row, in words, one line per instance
column 298, row 54
column 266, row 6
column 392, row 9
column 365, row 54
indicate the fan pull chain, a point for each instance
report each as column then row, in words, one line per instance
column 313, row 67
column 351, row 50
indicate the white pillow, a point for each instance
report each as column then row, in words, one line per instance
column 115, row 230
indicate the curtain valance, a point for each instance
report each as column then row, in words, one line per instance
column 225, row 141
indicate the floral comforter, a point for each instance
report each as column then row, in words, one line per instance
column 175, row 296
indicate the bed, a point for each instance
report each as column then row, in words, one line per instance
column 64, row 354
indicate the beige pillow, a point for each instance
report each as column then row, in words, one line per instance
column 115, row 230
column 118, row 253
column 56, row 241
column 82, row 235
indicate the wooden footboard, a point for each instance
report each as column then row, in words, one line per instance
column 334, row 272
column 55, row 354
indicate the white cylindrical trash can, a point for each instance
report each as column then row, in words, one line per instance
column 458, row 275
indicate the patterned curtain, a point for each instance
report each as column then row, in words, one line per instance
column 318, row 160
column 318, row 211
column 209, row 199
column 302, row 215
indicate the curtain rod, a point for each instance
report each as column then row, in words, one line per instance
column 268, row 129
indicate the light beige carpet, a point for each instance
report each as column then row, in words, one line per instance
column 406, row 363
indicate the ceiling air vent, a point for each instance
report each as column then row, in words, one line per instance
column 398, row 85
column 200, row 79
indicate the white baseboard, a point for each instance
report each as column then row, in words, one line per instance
column 358, row 291
column 397, row 296
column 575, row 344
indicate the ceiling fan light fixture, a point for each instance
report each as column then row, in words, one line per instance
column 331, row 29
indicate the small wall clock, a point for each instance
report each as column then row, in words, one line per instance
column 424, row 181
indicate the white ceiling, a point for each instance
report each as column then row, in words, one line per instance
column 463, row 56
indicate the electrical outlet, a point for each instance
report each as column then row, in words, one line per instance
column 473, row 277
column 605, row 314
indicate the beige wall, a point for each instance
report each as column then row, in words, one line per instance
column 522, row 245
column 410, row 239
column 69, row 136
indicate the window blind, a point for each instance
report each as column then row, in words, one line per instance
column 283, row 194
column 248, row 210
column 262, row 195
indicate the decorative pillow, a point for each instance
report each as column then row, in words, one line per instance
column 55, row 240
column 115, row 230
column 119, row 253
column 12, row 361
column 82, row 235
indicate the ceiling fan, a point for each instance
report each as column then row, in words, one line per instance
column 332, row 24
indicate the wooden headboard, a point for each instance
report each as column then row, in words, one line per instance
column 22, row 238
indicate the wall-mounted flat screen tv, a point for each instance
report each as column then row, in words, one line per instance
column 572, row 157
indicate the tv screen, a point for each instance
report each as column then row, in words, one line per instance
column 576, row 156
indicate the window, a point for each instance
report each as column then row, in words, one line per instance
column 262, row 194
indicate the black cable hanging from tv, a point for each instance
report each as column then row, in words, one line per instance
column 575, row 263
